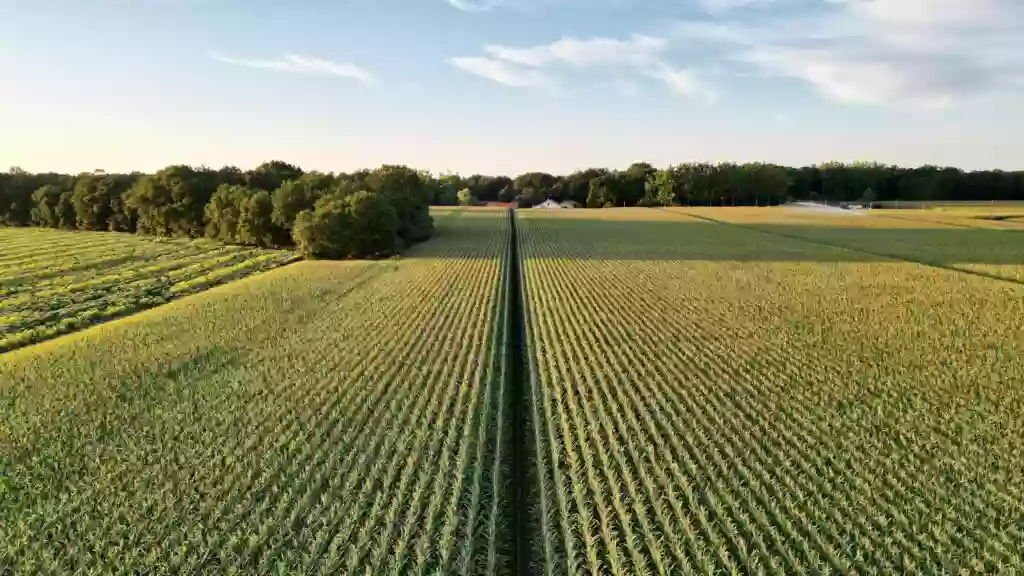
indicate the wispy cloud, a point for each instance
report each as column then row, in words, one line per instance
column 503, row 72
column 298, row 64
column 684, row 82
column 637, row 50
column 720, row 6
column 917, row 53
column 535, row 66
column 474, row 5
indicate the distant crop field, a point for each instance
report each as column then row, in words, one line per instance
column 1005, row 219
column 326, row 417
column 714, row 399
column 53, row 282
column 974, row 246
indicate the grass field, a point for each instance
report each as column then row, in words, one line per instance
column 713, row 398
column 54, row 282
column 621, row 391
column 321, row 418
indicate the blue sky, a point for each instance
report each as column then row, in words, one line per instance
column 506, row 86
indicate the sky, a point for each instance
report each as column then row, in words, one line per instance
column 509, row 86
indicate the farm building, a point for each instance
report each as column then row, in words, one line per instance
column 551, row 204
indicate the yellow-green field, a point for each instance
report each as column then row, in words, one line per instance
column 53, row 282
column 715, row 399
column 326, row 417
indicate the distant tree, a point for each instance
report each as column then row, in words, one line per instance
column 224, row 212
column 541, row 183
column 576, row 186
column 318, row 182
column 48, row 209
column 231, row 175
column 662, row 187
column 255, row 221
column 293, row 197
column 172, row 201
column 488, row 188
column 603, row 191
column 632, row 184
column 16, row 202
column 98, row 198
column 445, row 189
column 270, row 175
column 465, row 197
column 507, row 194
column 529, row 197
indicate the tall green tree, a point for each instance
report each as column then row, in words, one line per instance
column 360, row 225
column 406, row 189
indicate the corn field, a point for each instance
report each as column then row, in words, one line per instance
column 609, row 392
column 712, row 399
column 323, row 418
column 54, row 282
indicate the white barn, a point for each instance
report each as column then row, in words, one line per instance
column 551, row 204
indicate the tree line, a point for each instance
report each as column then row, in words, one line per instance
column 373, row 213
column 730, row 184
column 369, row 213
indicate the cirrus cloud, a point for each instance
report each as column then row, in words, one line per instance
column 534, row 66
column 297, row 64
column 503, row 72
column 916, row 53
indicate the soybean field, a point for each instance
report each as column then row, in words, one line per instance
column 53, row 282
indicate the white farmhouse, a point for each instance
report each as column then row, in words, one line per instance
column 549, row 204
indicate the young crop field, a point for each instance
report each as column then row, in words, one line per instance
column 711, row 399
column 322, row 418
column 54, row 282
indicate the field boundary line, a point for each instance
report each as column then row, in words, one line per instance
column 515, row 356
column 936, row 265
